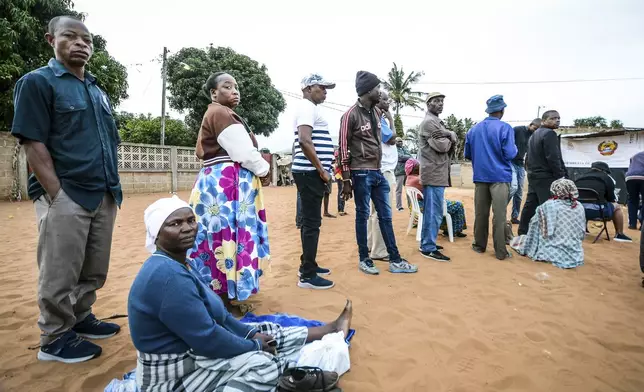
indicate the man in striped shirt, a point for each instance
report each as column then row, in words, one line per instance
column 311, row 170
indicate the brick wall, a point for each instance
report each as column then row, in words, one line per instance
column 7, row 148
column 146, row 182
column 186, row 180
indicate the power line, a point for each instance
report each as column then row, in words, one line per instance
column 324, row 105
column 521, row 81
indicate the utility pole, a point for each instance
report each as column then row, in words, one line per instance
column 164, row 74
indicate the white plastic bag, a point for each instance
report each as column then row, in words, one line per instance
column 330, row 354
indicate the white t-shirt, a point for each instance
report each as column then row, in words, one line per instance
column 308, row 113
column 389, row 157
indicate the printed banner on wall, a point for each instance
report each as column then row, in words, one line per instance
column 616, row 151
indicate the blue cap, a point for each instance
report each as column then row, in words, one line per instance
column 316, row 80
column 495, row 104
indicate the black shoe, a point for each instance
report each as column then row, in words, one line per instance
column 460, row 235
column 438, row 247
column 435, row 255
column 69, row 348
column 623, row 238
column 478, row 249
column 93, row 328
column 320, row 271
column 515, row 221
column 315, row 283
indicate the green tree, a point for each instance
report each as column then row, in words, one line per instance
column 616, row 124
column 398, row 124
column 188, row 70
column 23, row 48
column 400, row 87
column 147, row 130
column 591, row 122
column 411, row 137
column 460, row 127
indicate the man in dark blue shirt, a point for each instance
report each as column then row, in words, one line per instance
column 64, row 122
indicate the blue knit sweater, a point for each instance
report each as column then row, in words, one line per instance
column 171, row 311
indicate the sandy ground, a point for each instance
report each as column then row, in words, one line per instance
column 475, row 324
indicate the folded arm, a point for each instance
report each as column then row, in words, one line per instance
column 239, row 146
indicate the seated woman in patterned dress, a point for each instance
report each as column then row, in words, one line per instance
column 232, row 238
column 187, row 340
column 557, row 229
column 454, row 208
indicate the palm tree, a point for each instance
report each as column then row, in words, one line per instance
column 400, row 91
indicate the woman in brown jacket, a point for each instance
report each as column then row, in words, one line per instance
column 232, row 238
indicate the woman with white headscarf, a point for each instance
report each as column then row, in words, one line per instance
column 557, row 229
column 187, row 340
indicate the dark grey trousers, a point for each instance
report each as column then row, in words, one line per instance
column 73, row 257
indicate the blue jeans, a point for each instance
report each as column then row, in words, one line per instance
column 516, row 191
column 433, row 197
column 371, row 186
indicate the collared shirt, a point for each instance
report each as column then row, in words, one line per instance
column 436, row 144
column 490, row 146
column 73, row 119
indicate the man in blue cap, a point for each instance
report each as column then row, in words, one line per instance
column 491, row 148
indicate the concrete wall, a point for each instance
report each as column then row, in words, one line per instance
column 462, row 175
column 7, row 149
column 146, row 182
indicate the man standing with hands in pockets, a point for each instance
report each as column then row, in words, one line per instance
column 64, row 123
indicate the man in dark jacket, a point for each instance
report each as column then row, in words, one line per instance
column 403, row 157
column 545, row 165
column 361, row 154
column 600, row 180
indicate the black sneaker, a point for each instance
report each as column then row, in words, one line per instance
column 320, row 271
column 315, row 283
column 69, row 348
column 515, row 221
column 436, row 255
column 93, row 328
column 438, row 247
column 623, row 238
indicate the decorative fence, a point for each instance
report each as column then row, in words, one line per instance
column 147, row 168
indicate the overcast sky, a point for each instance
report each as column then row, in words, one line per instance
column 452, row 42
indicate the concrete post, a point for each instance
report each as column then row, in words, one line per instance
column 23, row 174
column 174, row 166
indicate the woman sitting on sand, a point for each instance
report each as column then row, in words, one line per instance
column 232, row 239
column 557, row 229
column 185, row 337
column 454, row 208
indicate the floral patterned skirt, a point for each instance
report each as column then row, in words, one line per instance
column 232, row 238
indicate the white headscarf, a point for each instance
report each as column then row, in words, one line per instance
column 156, row 214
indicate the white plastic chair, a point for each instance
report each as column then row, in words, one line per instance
column 448, row 219
column 414, row 194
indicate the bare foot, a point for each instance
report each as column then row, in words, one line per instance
column 343, row 323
